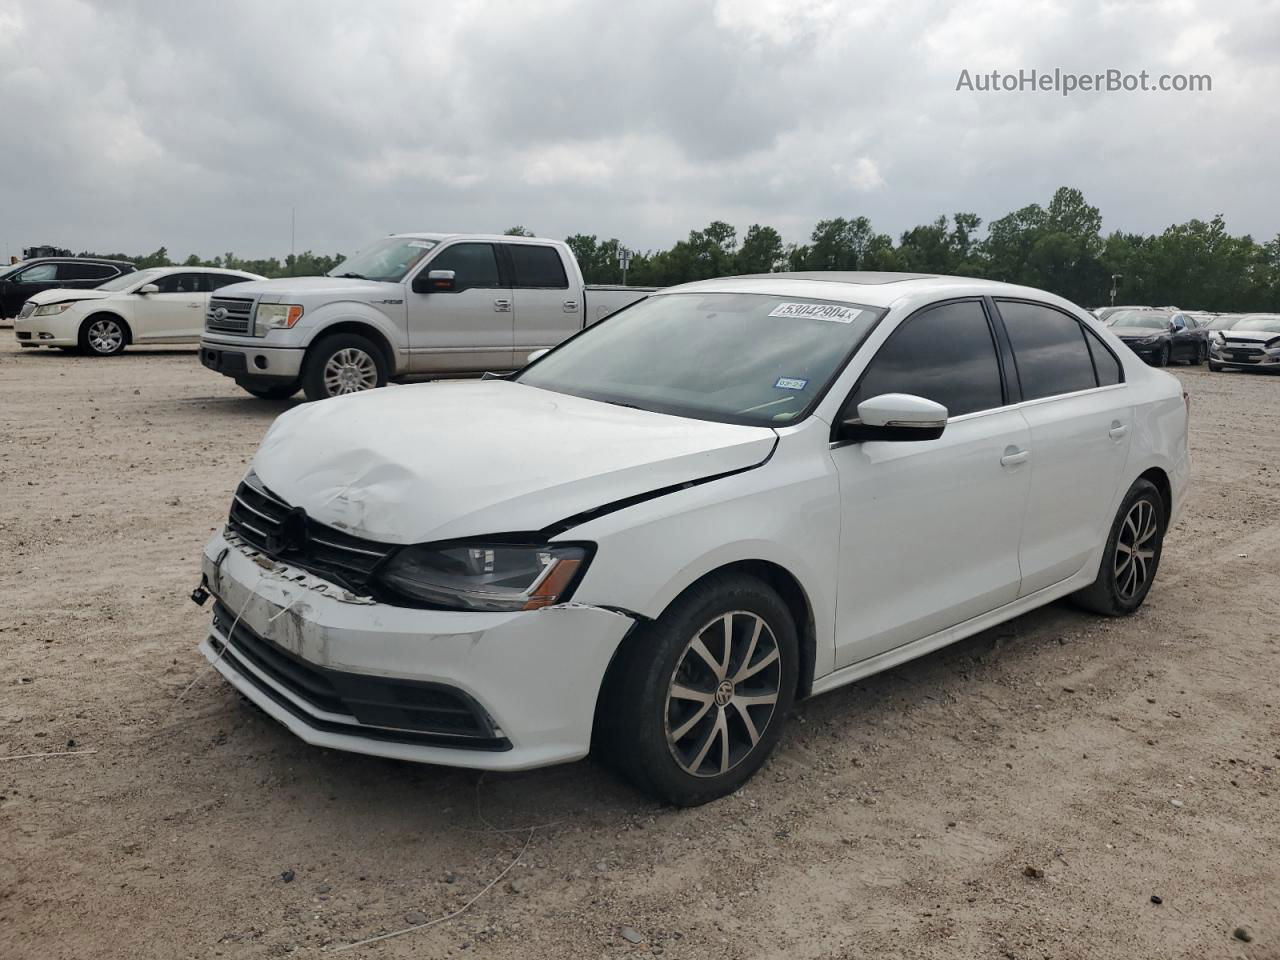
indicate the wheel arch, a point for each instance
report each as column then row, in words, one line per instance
column 360, row 328
column 109, row 314
column 1160, row 480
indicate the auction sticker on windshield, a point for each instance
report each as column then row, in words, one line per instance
column 816, row 311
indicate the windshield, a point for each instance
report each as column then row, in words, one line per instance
column 736, row 358
column 1265, row 324
column 1225, row 322
column 1139, row 319
column 389, row 259
column 127, row 280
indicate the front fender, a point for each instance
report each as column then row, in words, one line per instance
column 318, row 321
column 786, row 512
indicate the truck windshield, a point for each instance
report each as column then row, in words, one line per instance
column 752, row 358
column 387, row 260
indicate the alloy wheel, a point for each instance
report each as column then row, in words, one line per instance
column 350, row 370
column 105, row 336
column 723, row 693
column 1135, row 549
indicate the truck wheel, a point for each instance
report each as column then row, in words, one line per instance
column 696, row 700
column 341, row 364
column 282, row 392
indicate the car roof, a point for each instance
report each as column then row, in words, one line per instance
column 114, row 263
column 238, row 273
column 441, row 237
column 872, row 289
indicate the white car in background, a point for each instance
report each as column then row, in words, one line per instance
column 655, row 537
column 159, row 305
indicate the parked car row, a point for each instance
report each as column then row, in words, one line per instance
column 1228, row 341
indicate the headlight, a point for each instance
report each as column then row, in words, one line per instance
column 275, row 316
column 1148, row 340
column 52, row 309
column 486, row 576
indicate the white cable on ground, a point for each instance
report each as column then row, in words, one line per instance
column 62, row 753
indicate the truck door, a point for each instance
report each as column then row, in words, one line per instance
column 467, row 329
column 547, row 309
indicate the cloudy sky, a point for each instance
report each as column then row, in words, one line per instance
column 198, row 125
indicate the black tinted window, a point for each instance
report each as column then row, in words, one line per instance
column 1104, row 361
column 1049, row 348
column 944, row 354
column 179, row 283
column 538, row 266
column 216, row 281
column 473, row 264
column 86, row 271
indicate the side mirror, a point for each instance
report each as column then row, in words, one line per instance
column 538, row 354
column 434, row 280
column 1173, row 327
column 896, row 417
column 148, row 288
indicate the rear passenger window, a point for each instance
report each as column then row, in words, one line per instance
column 216, row 281
column 944, row 354
column 1049, row 348
column 538, row 266
column 86, row 271
column 1105, row 363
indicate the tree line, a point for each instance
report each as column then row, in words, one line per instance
column 1059, row 247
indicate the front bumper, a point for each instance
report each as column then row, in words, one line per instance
column 1147, row 351
column 1244, row 359
column 252, row 363
column 530, row 678
column 57, row 331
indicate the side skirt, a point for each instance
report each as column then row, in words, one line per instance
column 925, row 645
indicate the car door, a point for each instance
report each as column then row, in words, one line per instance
column 930, row 529
column 1077, row 406
column 468, row 329
column 24, row 285
column 547, row 310
column 173, row 315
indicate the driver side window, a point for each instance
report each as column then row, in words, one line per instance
column 945, row 354
column 40, row 273
column 473, row 265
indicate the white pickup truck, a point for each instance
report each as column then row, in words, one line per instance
column 420, row 303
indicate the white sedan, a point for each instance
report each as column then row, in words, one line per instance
column 656, row 537
column 159, row 305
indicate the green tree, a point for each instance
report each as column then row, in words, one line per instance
column 761, row 251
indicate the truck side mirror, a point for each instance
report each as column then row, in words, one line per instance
column 435, row 281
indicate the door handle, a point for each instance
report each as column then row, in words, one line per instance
column 1117, row 431
column 1013, row 457
column 571, row 306
column 502, row 306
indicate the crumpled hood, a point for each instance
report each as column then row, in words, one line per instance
column 434, row 461
column 331, row 288
column 1249, row 336
column 63, row 295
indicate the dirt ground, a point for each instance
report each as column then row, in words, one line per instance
column 1126, row 760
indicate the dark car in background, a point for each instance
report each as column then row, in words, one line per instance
column 1251, row 342
column 20, row 281
column 1161, row 337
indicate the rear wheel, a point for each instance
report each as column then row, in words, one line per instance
column 342, row 364
column 697, row 700
column 1132, row 555
column 103, row 336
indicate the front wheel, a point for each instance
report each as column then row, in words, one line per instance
column 103, row 336
column 1165, row 355
column 1215, row 367
column 342, row 364
column 1132, row 554
column 1202, row 354
column 696, row 701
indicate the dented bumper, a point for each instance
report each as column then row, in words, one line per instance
column 344, row 672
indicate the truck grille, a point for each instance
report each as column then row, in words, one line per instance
column 28, row 308
column 286, row 533
column 229, row 315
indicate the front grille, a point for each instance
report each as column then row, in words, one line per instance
column 27, row 310
column 286, row 533
column 408, row 711
column 229, row 315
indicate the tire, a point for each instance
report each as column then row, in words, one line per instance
column 688, row 750
column 341, row 364
column 1122, row 586
column 1163, row 359
column 1202, row 354
column 103, row 335
column 1215, row 367
column 282, row 392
